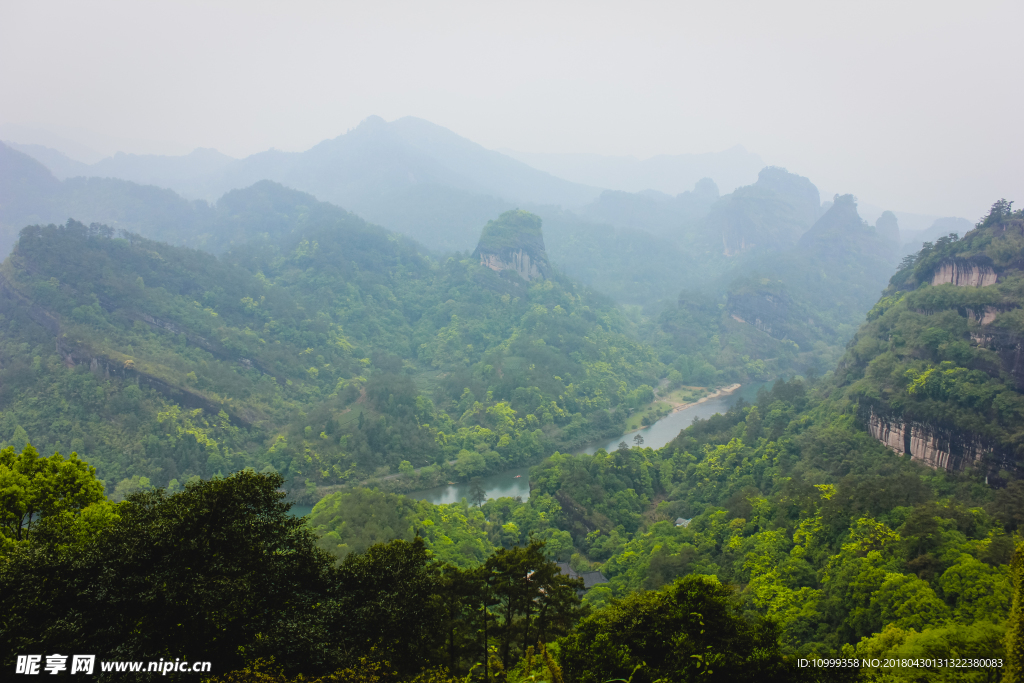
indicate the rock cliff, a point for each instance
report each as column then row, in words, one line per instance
column 937, row 448
column 964, row 274
column 768, row 216
column 888, row 227
column 938, row 368
column 514, row 241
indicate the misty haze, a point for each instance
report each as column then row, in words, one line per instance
column 454, row 342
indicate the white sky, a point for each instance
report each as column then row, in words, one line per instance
column 916, row 106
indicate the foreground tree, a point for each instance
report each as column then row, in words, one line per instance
column 688, row 631
column 211, row 573
column 33, row 488
column 533, row 600
column 1015, row 624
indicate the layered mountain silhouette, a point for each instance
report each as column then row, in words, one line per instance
column 410, row 175
column 666, row 173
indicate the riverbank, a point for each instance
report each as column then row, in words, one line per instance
column 677, row 407
column 507, row 483
column 724, row 391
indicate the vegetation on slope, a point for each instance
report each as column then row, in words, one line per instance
column 329, row 352
column 945, row 355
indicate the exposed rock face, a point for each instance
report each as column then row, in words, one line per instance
column 514, row 242
column 984, row 316
column 518, row 261
column 964, row 274
column 936, row 448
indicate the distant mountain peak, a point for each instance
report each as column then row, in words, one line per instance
column 514, row 241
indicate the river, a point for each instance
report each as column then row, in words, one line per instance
column 516, row 482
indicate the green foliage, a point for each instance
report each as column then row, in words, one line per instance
column 509, row 229
column 942, row 355
column 326, row 350
column 353, row 521
column 531, row 597
column 1015, row 623
column 34, row 489
column 212, row 571
column 951, row 641
column 830, row 535
column 222, row 571
column 689, row 630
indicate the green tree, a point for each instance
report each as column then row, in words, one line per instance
column 477, row 494
column 1015, row 625
column 534, row 600
column 385, row 603
column 33, row 488
column 688, row 631
column 352, row 521
column 220, row 571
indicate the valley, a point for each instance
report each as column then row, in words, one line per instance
column 757, row 397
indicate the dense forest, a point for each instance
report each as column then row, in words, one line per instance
column 767, row 256
column 204, row 366
column 332, row 353
column 780, row 532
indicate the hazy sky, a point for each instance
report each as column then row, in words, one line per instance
column 912, row 106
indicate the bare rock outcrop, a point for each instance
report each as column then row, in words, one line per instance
column 964, row 274
column 518, row 260
column 937, row 448
column 514, row 242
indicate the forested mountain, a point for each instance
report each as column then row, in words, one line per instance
column 659, row 214
column 748, row 260
column 849, row 545
column 409, row 175
column 330, row 349
column 937, row 369
column 320, row 352
column 789, row 304
column 779, row 530
column 30, row 194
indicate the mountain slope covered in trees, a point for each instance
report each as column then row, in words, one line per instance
column 847, row 545
column 327, row 349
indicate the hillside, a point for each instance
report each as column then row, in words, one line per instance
column 936, row 370
column 327, row 349
column 786, row 300
column 791, row 308
column 30, row 194
column 850, row 548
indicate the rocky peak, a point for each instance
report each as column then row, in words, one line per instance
column 841, row 232
column 888, row 227
column 514, row 241
column 795, row 189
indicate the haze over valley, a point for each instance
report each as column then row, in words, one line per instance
column 703, row 337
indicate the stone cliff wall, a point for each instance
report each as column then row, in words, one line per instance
column 934, row 447
column 964, row 274
column 518, row 260
column 985, row 316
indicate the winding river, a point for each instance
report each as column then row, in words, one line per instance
column 516, row 482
